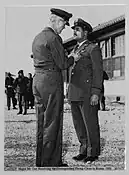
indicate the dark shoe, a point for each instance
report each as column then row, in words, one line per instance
column 37, row 165
column 63, row 165
column 79, row 157
column 90, row 159
column 19, row 113
column 8, row 109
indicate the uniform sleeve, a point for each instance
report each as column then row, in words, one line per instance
column 97, row 66
column 58, row 54
column 105, row 76
column 6, row 82
column 15, row 82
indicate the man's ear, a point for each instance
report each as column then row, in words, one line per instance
column 86, row 33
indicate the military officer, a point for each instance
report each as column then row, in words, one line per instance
column 49, row 61
column 10, row 91
column 30, row 97
column 102, row 97
column 20, row 84
column 84, row 90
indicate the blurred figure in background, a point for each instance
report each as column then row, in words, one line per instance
column 30, row 97
column 102, row 97
column 20, row 84
column 9, row 89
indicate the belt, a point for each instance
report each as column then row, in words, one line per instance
column 44, row 69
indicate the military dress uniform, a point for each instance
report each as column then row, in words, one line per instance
column 49, row 61
column 86, row 80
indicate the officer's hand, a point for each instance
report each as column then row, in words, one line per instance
column 66, row 53
column 94, row 99
column 76, row 56
column 6, row 90
column 71, row 54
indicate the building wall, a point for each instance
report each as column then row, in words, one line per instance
column 115, row 87
column 113, row 53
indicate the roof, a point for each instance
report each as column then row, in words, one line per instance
column 109, row 23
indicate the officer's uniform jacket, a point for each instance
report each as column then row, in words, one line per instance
column 49, row 61
column 48, row 51
column 86, row 74
column 20, row 84
column 9, row 86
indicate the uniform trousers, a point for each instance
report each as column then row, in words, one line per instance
column 85, row 119
column 22, row 100
column 48, row 93
column 11, row 96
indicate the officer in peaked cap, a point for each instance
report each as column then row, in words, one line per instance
column 63, row 14
column 84, row 91
column 49, row 60
column 85, row 25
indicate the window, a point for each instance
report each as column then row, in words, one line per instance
column 113, row 53
column 105, row 48
column 118, row 45
column 102, row 44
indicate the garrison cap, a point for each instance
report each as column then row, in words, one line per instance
column 20, row 71
column 85, row 25
column 63, row 14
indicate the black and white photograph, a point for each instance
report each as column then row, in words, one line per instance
column 65, row 87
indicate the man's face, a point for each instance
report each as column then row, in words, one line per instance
column 60, row 25
column 20, row 74
column 78, row 33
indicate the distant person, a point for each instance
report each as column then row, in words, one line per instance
column 102, row 97
column 49, row 61
column 30, row 97
column 10, row 91
column 20, row 84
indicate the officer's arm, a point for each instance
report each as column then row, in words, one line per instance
column 6, row 82
column 15, row 83
column 97, row 65
column 105, row 76
column 59, row 56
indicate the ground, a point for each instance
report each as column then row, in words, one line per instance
column 20, row 140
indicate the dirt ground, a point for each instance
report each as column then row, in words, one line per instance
column 20, row 140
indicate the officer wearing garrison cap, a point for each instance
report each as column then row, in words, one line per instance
column 49, row 60
column 84, row 90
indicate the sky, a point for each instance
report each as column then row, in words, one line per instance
column 22, row 24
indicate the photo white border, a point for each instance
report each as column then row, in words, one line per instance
column 6, row 3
